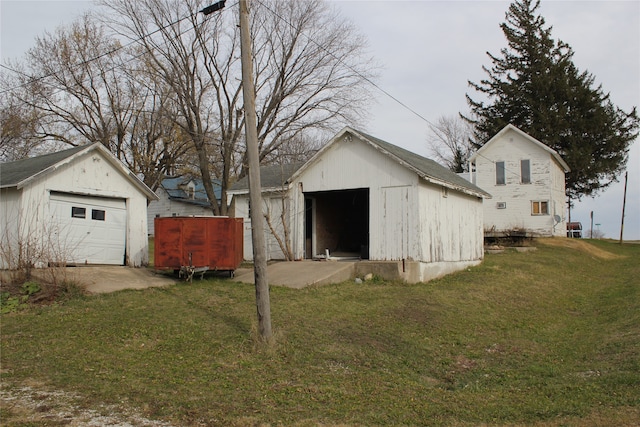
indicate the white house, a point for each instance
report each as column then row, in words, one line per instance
column 363, row 197
column 181, row 196
column 526, row 179
column 77, row 206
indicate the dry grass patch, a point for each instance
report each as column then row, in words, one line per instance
column 580, row 245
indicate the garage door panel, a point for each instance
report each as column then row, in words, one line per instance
column 90, row 230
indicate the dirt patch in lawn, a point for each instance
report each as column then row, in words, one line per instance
column 34, row 404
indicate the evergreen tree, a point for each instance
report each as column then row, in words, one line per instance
column 535, row 86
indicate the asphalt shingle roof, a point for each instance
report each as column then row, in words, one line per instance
column 426, row 166
column 271, row 176
column 13, row 173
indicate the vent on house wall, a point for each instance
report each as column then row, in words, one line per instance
column 501, row 205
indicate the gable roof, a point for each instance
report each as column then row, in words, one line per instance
column 529, row 138
column 425, row 168
column 174, row 188
column 12, row 174
column 272, row 178
column 20, row 173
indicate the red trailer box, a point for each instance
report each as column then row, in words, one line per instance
column 197, row 244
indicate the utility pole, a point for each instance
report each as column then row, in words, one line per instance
column 624, row 203
column 263, row 304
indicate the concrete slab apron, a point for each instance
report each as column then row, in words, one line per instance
column 300, row 274
column 104, row 279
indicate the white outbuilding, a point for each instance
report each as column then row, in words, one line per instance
column 361, row 197
column 77, row 206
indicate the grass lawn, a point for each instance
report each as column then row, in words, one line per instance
column 550, row 337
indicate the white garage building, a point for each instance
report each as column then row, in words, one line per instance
column 77, row 206
column 363, row 197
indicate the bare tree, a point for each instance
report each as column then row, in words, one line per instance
column 167, row 32
column 156, row 146
column 310, row 73
column 81, row 97
column 89, row 88
column 19, row 121
column 450, row 142
column 160, row 84
column 16, row 139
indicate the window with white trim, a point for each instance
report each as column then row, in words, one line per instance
column 539, row 207
column 525, row 171
column 500, row 173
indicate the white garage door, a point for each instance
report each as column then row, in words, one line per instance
column 90, row 230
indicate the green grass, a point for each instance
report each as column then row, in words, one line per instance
column 550, row 337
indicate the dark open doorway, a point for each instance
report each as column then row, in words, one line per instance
column 337, row 221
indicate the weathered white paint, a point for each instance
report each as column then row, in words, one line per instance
column 165, row 206
column 420, row 226
column 27, row 209
column 410, row 219
column 272, row 206
column 510, row 208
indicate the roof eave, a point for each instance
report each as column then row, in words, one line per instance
column 47, row 171
column 282, row 189
column 150, row 195
column 455, row 187
column 423, row 175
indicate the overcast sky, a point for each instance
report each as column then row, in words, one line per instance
column 428, row 50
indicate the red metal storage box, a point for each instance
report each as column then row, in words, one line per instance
column 198, row 244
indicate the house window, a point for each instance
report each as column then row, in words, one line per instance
column 525, row 171
column 539, row 208
column 97, row 214
column 77, row 212
column 500, row 179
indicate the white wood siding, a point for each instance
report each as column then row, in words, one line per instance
column 94, row 175
column 451, row 226
column 397, row 223
column 12, row 221
column 272, row 205
column 351, row 164
column 408, row 218
column 547, row 184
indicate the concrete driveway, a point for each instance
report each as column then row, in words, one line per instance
column 298, row 274
column 101, row 279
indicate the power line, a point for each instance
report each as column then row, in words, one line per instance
column 102, row 55
column 141, row 38
column 368, row 80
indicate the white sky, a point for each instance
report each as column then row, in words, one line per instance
column 428, row 51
